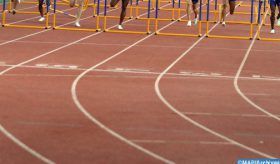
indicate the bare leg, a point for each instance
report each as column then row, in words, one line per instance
column 231, row 7
column 80, row 10
column 223, row 14
column 72, row 3
column 113, row 3
column 123, row 13
column 15, row 3
column 188, row 9
column 194, row 6
column 272, row 16
column 278, row 16
column 40, row 7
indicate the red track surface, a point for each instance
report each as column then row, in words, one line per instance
column 38, row 107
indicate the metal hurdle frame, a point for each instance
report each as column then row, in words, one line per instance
column 129, row 7
column 148, row 20
column 95, row 15
column 261, row 24
column 251, row 24
column 179, row 10
column 199, row 26
column 4, row 16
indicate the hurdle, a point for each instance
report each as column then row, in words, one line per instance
column 6, row 24
column 95, row 15
column 251, row 25
column 137, row 18
column 261, row 24
column 199, row 26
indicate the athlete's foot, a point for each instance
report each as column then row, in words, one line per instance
column 189, row 23
column 41, row 19
column 278, row 22
column 14, row 12
column 195, row 21
column 120, row 27
column 77, row 24
column 272, row 31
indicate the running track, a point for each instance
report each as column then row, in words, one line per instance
column 136, row 98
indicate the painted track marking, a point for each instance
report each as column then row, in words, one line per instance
column 97, row 122
column 172, row 108
column 140, row 71
column 236, row 81
column 6, row 132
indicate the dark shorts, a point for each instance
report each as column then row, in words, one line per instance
column 194, row 1
column 275, row 2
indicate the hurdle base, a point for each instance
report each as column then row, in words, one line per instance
column 26, row 26
column 127, row 32
column 268, row 39
column 77, row 29
column 229, row 37
column 174, row 34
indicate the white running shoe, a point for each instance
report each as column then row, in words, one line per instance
column 189, row 23
column 41, row 19
column 195, row 21
column 120, row 27
column 272, row 31
column 278, row 22
column 77, row 24
column 224, row 23
column 19, row 1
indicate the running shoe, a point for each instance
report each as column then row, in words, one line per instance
column 272, row 31
column 224, row 23
column 189, row 23
column 195, row 21
column 120, row 27
column 41, row 19
column 77, row 24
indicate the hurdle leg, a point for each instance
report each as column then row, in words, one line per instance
column 97, row 23
column 137, row 12
column 47, row 20
column 105, row 24
column 10, row 5
column 3, row 18
column 130, row 10
column 94, row 8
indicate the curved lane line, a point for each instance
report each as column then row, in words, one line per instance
column 161, row 97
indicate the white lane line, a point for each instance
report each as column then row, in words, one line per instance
column 24, row 146
column 237, row 77
column 205, row 128
column 181, row 142
column 182, row 75
column 100, row 124
column 225, row 114
column 17, row 141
